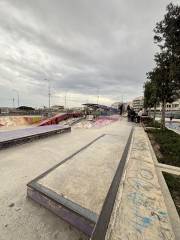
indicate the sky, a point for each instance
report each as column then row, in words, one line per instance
column 82, row 49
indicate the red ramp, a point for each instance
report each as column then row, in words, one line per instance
column 59, row 118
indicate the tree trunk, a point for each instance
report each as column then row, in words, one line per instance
column 149, row 112
column 154, row 117
column 163, row 114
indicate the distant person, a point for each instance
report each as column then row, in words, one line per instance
column 140, row 115
column 129, row 114
column 133, row 115
column 120, row 109
column 171, row 118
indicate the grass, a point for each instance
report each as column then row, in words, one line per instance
column 151, row 123
column 168, row 145
column 173, row 182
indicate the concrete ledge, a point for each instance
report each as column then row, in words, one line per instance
column 141, row 211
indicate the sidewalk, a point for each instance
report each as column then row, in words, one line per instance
column 140, row 212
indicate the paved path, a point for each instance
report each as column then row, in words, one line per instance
column 140, row 212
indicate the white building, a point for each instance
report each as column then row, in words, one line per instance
column 171, row 107
column 138, row 103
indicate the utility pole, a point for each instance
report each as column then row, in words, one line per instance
column 49, row 93
column 13, row 102
column 98, row 97
column 17, row 96
column 65, row 100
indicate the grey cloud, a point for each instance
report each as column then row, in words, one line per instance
column 81, row 46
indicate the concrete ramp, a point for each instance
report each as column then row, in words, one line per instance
column 76, row 188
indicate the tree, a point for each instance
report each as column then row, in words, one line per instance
column 167, row 31
column 167, row 37
column 25, row 108
column 166, row 85
column 151, row 93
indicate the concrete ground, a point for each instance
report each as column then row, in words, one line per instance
column 85, row 178
column 21, row 218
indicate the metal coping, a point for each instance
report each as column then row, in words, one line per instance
column 25, row 139
column 101, row 227
column 66, row 214
column 91, row 216
column 76, row 208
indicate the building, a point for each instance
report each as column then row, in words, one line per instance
column 171, row 107
column 57, row 107
column 116, row 105
column 138, row 103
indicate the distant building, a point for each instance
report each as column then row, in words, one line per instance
column 138, row 103
column 116, row 105
column 57, row 107
column 4, row 110
column 171, row 107
column 123, row 105
column 77, row 108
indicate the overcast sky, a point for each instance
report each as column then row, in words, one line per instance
column 83, row 47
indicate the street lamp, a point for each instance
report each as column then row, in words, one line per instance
column 49, row 92
column 98, row 91
column 17, row 96
column 65, row 99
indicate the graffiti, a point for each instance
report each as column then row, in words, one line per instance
column 140, row 184
column 142, row 212
column 146, row 209
column 19, row 120
column 147, row 174
column 140, row 199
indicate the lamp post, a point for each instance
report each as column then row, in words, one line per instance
column 98, row 90
column 13, row 102
column 49, row 93
column 65, row 99
column 17, row 92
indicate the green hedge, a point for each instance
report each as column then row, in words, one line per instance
column 169, row 143
column 173, row 182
